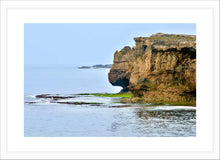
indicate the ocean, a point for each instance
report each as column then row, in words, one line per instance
column 84, row 115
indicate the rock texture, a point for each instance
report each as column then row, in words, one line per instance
column 159, row 69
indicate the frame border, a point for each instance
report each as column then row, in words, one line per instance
column 5, row 11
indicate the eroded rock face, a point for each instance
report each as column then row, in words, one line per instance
column 159, row 69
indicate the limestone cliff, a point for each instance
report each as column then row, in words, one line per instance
column 159, row 69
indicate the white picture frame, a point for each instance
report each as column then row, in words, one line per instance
column 15, row 13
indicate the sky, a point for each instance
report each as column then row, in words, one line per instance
column 77, row 44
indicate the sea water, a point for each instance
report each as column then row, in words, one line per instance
column 42, row 118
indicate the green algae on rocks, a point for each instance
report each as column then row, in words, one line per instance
column 122, row 95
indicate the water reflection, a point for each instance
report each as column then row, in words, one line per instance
column 165, row 123
column 62, row 120
column 178, row 115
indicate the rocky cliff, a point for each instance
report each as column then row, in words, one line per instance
column 158, row 69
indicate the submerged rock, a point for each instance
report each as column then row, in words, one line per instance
column 159, row 69
column 30, row 102
column 80, row 103
column 55, row 96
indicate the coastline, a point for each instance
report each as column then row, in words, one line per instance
column 122, row 99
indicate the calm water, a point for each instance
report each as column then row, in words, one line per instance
column 46, row 117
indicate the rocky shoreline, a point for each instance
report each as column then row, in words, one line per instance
column 84, row 99
column 92, row 99
column 159, row 69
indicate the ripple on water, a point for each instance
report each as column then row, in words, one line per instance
column 44, row 118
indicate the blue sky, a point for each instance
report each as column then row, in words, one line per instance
column 76, row 44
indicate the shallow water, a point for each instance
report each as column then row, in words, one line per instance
column 44, row 117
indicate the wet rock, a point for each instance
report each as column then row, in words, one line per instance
column 54, row 97
column 120, row 106
column 79, row 103
column 30, row 102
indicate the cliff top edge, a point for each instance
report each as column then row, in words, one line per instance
column 167, row 37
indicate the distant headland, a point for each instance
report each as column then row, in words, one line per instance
column 96, row 66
